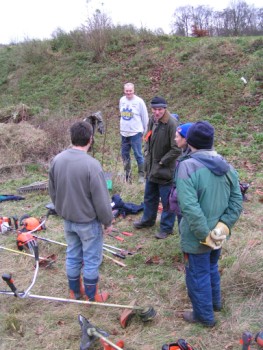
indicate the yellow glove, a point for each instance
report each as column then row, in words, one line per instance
column 217, row 236
column 210, row 242
column 221, row 230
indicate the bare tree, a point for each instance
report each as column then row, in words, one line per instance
column 259, row 19
column 97, row 32
column 202, row 17
column 238, row 18
column 182, row 23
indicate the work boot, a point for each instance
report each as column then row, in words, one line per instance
column 142, row 224
column 188, row 316
column 141, row 178
column 76, row 288
column 127, row 170
column 217, row 308
column 162, row 235
column 101, row 297
column 92, row 293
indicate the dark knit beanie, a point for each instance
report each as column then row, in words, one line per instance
column 200, row 135
column 158, row 102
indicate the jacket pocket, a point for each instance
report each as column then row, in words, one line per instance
column 161, row 172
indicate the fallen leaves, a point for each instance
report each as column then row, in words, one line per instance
column 154, row 260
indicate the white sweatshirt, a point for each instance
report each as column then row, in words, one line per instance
column 134, row 116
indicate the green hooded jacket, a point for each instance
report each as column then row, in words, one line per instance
column 208, row 191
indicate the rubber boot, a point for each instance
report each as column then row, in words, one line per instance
column 127, row 170
column 102, row 296
column 92, row 293
column 141, row 173
column 76, row 288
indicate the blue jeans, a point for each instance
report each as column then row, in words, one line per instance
column 152, row 194
column 85, row 247
column 134, row 142
column 203, row 284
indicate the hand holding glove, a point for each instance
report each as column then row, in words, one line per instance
column 217, row 236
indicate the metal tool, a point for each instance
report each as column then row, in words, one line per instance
column 10, row 282
column 123, row 251
column 145, row 313
column 50, row 240
column 119, row 255
column 246, row 340
column 114, row 260
column 90, row 333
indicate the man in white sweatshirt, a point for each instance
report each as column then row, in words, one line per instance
column 133, row 125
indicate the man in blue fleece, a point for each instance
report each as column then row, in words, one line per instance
column 211, row 202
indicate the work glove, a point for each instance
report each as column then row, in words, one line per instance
column 210, row 242
column 220, row 232
column 217, row 236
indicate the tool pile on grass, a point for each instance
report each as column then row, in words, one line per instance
column 27, row 240
column 145, row 313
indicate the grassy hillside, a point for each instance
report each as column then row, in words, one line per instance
column 200, row 78
column 44, row 86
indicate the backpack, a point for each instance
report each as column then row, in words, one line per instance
column 173, row 205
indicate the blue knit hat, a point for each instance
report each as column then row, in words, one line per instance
column 201, row 135
column 158, row 102
column 182, row 129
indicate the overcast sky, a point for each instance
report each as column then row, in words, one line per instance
column 38, row 19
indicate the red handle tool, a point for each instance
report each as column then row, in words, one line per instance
column 127, row 233
column 116, row 237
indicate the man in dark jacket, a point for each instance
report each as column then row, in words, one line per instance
column 209, row 196
column 160, row 152
column 78, row 189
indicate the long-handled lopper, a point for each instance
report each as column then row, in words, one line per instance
column 123, row 251
column 122, row 256
column 65, row 245
column 114, row 260
column 119, row 255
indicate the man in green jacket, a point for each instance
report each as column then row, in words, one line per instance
column 160, row 153
column 211, row 202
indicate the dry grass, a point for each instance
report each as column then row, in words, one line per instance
column 34, row 324
column 37, row 324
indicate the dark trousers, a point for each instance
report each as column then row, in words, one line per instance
column 152, row 194
column 203, row 284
